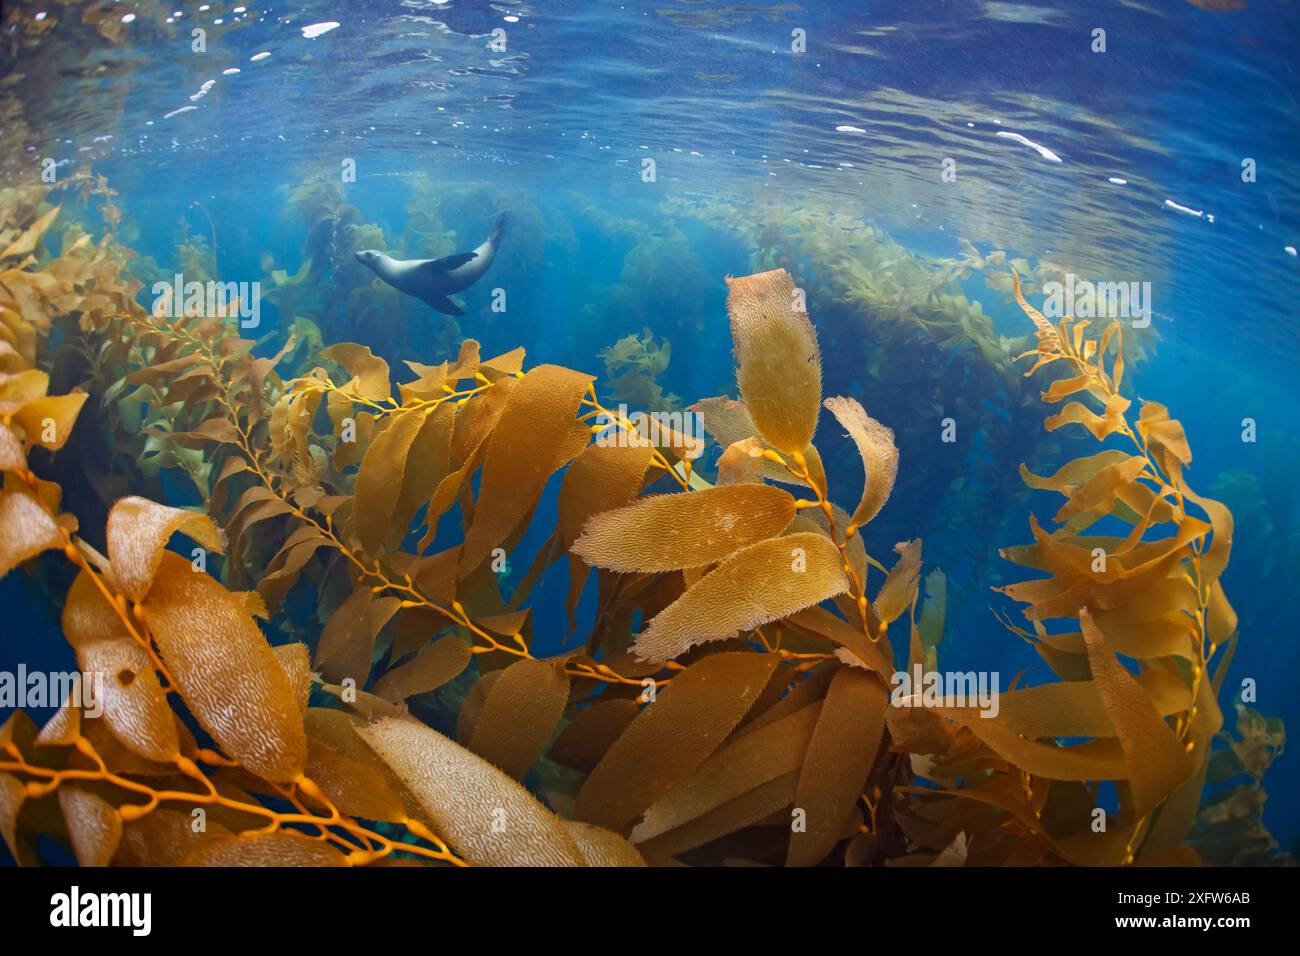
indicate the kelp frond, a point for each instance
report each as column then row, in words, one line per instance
column 1155, row 598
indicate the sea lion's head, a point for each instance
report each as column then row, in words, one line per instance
column 369, row 257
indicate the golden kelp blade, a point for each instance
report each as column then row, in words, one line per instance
column 138, row 531
column 899, row 590
column 840, row 755
column 1048, row 339
column 749, row 761
column 600, row 847
column 879, row 456
column 231, row 679
column 1157, row 762
column 519, row 715
column 669, row 740
column 462, row 795
column 26, row 242
column 685, row 530
column 94, row 826
column 759, row 584
column 431, row 668
column 135, row 706
column 282, row 848
column 48, row 420
column 381, row 471
column 602, row 478
column 27, row 528
column 536, row 435
column 779, row 372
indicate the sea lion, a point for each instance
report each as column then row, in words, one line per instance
column 433, row 280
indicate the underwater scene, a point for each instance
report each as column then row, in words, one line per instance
column 495, row 433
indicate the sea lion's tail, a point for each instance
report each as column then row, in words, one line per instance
column 497, row 229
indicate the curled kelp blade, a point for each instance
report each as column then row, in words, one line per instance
column 899, row 590
column 24, row 243
column 879, row 455
column 741, row 462
column 139, row 529
column 370, row 377
column 728, row 422
column 29, row 527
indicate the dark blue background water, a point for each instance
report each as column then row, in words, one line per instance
column 560, row 121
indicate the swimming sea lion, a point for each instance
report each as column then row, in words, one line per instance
column 433, row 280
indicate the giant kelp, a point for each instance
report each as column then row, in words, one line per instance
column 909, row 330
column 632, row 364
column 158, row 628
column 1230, row 829
column 729, row 700
column 55, row 273
column 1147, row 593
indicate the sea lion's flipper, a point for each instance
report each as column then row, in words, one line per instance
column 446, row 263
column 444, row 304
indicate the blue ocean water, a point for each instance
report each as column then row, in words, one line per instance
column 1161, row 150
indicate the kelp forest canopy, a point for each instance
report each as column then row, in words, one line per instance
column 325, row 656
